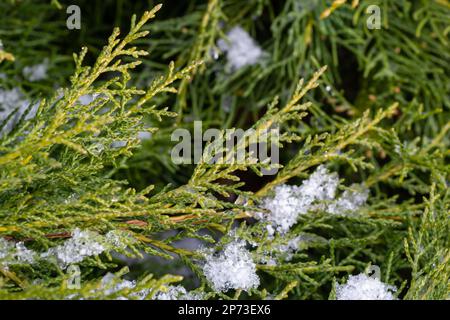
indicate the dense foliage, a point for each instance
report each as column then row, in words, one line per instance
column 89, row 191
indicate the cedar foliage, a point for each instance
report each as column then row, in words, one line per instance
column 378, row 113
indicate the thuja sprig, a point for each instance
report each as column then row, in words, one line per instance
column 291, row 111
column 113, row 288
column 56, row 168
column 68, row 141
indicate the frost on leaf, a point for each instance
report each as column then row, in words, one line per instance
column 6, row 249
column 241, row 49
column 233, row 268
column 112, row 286
column 115, row 239
column 363, row 287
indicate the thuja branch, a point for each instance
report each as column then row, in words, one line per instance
column 82, row 82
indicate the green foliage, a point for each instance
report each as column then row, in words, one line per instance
column 377, row 114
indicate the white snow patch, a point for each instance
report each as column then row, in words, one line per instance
column 363, row 287
column 233, row 268
column 316, row 192
column 11, row 100
column 84, row 244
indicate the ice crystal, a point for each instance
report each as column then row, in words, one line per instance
column 13, row 99
column 363, row 287
column 15, row 253
column 112, row 284
column 241, row 49
column 10, row 100
column 24, row 255
column 177, row 293
column 267, row 259
column 96, row 148
column 82, row 244
column 316, row 192
column 36, row 72
column 233, row 268
column 118, row 144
